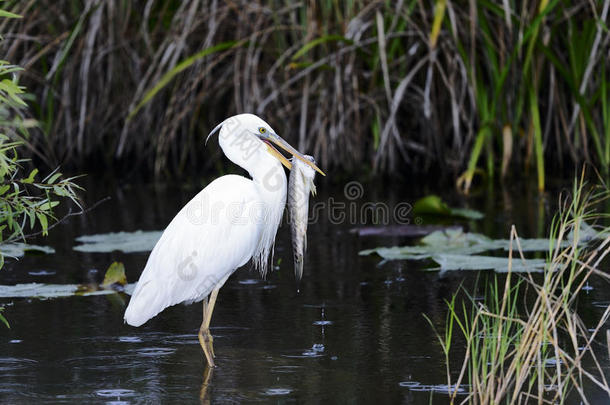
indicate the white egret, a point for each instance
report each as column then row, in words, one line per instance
column 231, row 221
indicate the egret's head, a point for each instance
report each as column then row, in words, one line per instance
column 249, row 133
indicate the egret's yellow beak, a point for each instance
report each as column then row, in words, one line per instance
column 277, row 140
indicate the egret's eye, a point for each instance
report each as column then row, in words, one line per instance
column 262, row 130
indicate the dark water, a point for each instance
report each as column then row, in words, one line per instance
column 355, row 332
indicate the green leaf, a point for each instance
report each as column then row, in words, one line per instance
column 8, row 14
column 54, row 178
column 115, row 275
column 30, row 178
column 59, row 191
column 32, row 215
column 3, row 319
column 439, row 14
column 433, row 205
column 42, row 218
column 47, row 206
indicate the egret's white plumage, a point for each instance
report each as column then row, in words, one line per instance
column 232, row 220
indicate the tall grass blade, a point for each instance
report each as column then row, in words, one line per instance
column 180, row 67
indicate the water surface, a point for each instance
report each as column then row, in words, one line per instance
column 355, row 332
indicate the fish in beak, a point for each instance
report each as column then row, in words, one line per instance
column 275, row 139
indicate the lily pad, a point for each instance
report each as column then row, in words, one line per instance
column 18, row 249
column 46, row 291
column 449, row 262
column 433, row 205
column 126, row 242
column 588, row 233
column 454, row 249
column 406, row 230
column 455, row 241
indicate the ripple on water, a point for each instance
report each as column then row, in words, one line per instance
column 438, row 388
column 155, row 351
column 249, row 281
column 13, row 363
column 277, row 391
column 42, row 273
column 129, row 339
column 117, row 392
column 317, row 350
column 323, row 323
column 181, row 340
column 285, row 369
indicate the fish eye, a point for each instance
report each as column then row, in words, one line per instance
column 262, row 130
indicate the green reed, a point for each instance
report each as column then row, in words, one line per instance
column 524, row 341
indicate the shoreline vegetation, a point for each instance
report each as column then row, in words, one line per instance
column 526, row 341
column 493, row 89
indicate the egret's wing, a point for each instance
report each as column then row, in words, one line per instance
column 214, row 234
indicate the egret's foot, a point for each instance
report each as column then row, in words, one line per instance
column 205, row 340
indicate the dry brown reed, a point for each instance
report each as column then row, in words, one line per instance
column 389, row 86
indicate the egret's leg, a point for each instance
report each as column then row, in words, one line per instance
column 204, row 335
column 208, row 317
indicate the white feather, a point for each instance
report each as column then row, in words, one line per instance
column 232, row 220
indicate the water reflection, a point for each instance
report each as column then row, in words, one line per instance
column 355, row 330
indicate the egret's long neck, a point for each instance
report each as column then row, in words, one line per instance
column 269, row 178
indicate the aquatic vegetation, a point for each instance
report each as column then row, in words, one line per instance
column 493, row 89
column 18, row 249
column 126, row 242
column 115, row 274
column 47, row 291
column 114, row 281
column 3, row 319
column 524, row 340
column 433, row 205
column 454, row 249
column 452, row 262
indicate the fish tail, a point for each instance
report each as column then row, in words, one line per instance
column 298, row 267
